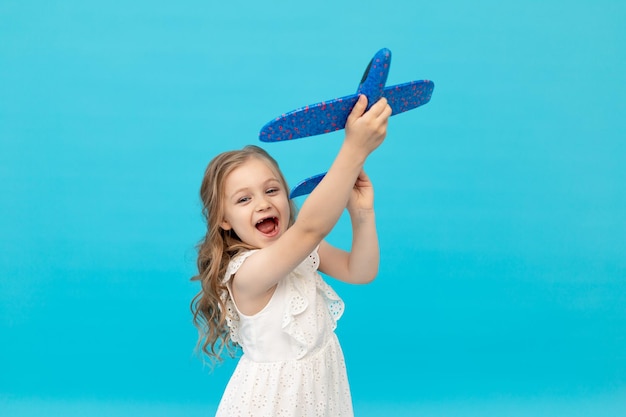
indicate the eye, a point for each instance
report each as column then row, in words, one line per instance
column 272, row 190
column 241, row 200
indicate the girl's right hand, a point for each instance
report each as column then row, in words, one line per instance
column 367, row 130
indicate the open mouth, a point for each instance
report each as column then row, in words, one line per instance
column 268, row 226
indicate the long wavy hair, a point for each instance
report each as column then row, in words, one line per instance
column 217, row 248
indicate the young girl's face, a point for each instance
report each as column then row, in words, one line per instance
column 256, row 205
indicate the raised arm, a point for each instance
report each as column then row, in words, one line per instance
column 320, row 212
column 360, row 265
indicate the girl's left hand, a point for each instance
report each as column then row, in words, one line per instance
column 362, row 196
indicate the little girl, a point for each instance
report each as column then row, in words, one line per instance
column 258, row 268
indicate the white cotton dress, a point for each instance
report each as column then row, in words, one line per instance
column 292, row 364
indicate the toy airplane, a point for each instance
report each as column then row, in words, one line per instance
column 329, row 116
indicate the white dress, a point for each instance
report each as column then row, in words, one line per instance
column 292, row 364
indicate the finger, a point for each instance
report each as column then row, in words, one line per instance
column 387, row 112
column 379, row 106
column 359, row 108
column 362, row 179
column 380, row 110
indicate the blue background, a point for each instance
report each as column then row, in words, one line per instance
column 501, row 204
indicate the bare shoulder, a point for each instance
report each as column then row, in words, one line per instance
column 265, row 267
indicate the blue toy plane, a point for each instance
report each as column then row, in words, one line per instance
column 329, row 116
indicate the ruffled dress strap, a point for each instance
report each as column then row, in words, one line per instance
column 300, row 318
column 232, row 316
column 235, row 264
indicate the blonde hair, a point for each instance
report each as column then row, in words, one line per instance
column 217, row 248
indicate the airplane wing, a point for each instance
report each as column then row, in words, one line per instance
column 316, row 119
column 407, row 96
column 328, row 116
column 401, row 98
column 305, row 187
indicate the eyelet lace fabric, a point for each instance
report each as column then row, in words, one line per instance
column 232, row 316
column 304, row 329
column 307, row 377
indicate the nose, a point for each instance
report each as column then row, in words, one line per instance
column 262, row 204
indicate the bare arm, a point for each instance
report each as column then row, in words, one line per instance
column 360, row 265
column 262, row 270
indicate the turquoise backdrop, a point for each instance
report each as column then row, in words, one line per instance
column 501, row 204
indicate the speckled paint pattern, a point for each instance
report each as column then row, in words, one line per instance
column 331, row 115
